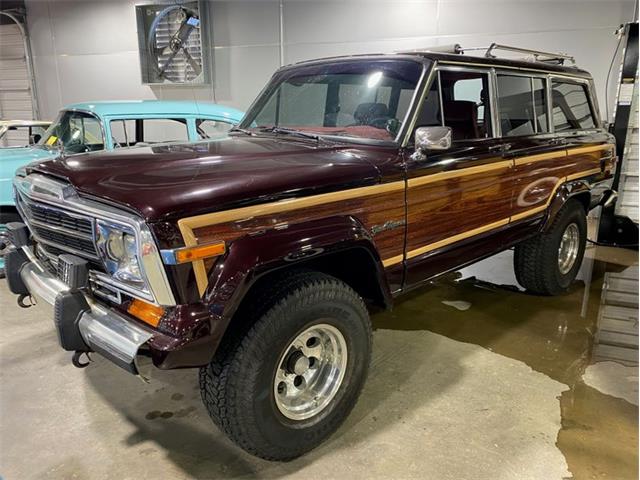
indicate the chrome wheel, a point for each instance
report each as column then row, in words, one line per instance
column 310, row 372
column 568, row 249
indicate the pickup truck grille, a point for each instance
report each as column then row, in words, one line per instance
column 58, row 229
column 55, row 217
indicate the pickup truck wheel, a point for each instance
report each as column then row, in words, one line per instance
column 549, row 262
column 288, row 381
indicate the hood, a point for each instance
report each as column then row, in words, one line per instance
column 173, row 181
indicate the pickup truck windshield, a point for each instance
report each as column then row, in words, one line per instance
column 78, row 132
column 357, row 98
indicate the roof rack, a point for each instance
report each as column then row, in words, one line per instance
column 538, row 55
column 533, row 55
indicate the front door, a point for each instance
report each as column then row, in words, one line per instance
column 458, row 196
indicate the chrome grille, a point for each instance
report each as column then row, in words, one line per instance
column 59, row 230
column 58, row 218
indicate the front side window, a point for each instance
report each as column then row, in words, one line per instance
column 459, row 100
column 144, row 131
column 77, row 132
column 571, row 108
column 357, row 99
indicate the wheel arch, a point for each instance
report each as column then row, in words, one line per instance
column 578, row 190
column 337, row 246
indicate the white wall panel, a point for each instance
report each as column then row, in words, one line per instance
column 89, row 48
column 242, row 23
column 93, row 27
column 117, row 74
column 241, row 73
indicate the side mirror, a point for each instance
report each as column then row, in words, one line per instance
column 433, row 138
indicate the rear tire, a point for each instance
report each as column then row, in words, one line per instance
column 265, row 387
column 548, row 263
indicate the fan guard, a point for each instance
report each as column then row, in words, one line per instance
column 174, row 45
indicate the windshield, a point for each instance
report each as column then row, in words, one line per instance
column 357, row 98
column 77, row 132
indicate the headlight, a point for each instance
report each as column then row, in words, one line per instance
column 119, row 251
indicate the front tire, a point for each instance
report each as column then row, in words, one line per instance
column 285, row 383
column 548, row 263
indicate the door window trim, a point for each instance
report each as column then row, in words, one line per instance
column 434, row 75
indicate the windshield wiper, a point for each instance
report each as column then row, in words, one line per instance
column 290, row 131
column 242, row 130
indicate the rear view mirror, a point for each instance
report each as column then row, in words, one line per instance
column 433, row 138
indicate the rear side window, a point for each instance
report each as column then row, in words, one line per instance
column 130, row 132
column 571, row 108
column 515, row 105
column 522, row 105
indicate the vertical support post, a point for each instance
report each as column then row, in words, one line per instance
column 281, row 31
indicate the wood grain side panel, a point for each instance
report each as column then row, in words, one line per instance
column 450, row 207
column 537, row 181
column 371, row 211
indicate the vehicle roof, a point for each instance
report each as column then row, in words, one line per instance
column 141, row 107
column 24, row 123
column 519, row 64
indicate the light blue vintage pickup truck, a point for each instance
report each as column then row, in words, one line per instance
column 93, row 126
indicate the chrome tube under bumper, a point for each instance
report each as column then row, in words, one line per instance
column 103, row 330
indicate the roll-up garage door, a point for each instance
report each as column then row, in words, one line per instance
column 15, row 91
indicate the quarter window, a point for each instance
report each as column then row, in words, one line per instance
column 571, row 108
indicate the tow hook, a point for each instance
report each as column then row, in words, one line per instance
column 75, row 359
column 21, row 301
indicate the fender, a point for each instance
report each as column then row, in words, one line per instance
column 251, row 257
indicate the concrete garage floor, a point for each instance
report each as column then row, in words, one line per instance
column 470, row 380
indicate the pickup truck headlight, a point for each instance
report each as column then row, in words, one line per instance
column 119, row 250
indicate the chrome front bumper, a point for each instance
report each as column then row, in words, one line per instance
column 103, row 330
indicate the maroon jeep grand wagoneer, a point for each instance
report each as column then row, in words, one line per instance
column 350, row 181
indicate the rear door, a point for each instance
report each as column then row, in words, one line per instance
column 525, row 125
column 565, row 143
column 458, row 196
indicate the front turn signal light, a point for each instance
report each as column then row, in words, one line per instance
column 146, row 312
column 190, row 254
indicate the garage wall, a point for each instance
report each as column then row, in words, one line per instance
column 87, row 50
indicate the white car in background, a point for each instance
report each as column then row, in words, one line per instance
column 21, row 133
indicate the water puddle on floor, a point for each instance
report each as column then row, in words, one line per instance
column 555, row 336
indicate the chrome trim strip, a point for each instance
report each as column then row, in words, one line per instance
column 169, row 256
column 51, row 191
